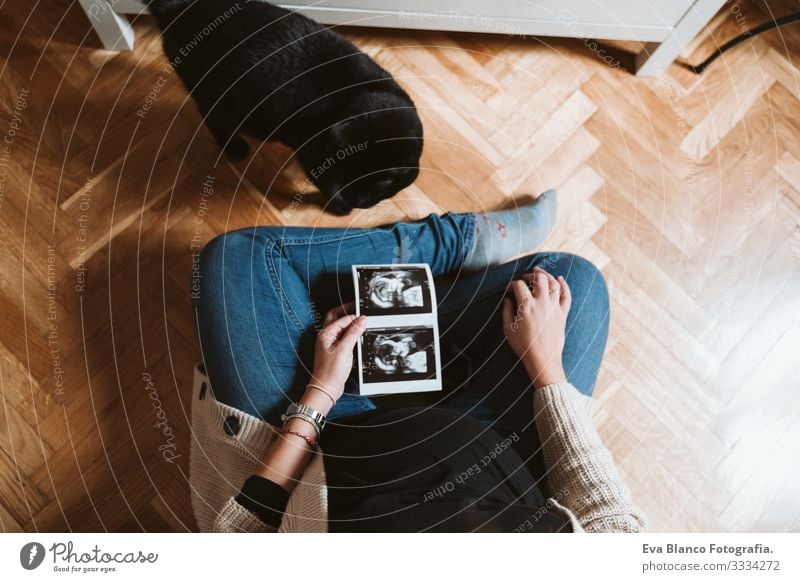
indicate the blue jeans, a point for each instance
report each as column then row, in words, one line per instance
column 263, row 292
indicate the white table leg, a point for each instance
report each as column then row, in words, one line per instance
column 656, row 57
column 114, row 30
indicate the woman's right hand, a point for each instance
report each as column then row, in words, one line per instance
column 333, row 355
column 535, row 329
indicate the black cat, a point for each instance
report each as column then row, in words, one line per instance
column 273, row 74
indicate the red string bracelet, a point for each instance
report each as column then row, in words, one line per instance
column 311, row 442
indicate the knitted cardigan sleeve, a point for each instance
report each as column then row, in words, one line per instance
column 306, row 511
column 580, row 470
column 234, row 518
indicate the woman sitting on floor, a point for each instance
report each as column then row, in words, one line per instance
column 507, row 446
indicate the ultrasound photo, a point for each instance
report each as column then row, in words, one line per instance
column 399, row 351
column 393, row 290
column 398, row 354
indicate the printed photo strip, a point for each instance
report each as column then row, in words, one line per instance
column 399, row 351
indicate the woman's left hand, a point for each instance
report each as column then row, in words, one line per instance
column 535, row 330
column 333, row 355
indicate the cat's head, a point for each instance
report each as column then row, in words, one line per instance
column 369, row 156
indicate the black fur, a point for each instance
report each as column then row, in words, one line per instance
column 276, row 75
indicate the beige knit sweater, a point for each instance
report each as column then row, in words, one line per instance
column 586, row 487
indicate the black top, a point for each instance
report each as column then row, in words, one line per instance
column 418, row 469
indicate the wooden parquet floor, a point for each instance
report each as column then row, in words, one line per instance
column 684, row 190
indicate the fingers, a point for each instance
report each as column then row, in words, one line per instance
column 337, row 312
column 544, row 282
column 534, row 284
column 508, row 312
column 546, row 286
column 553, row 285
column 331, row 332
column 522, row 293
column 566, row 294
column 355, row 331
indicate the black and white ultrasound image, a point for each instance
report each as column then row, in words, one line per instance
column 398, row 354
column 393, row 291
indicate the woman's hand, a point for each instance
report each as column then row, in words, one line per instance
column 333, row 355
column 287, row 458
column 535, row 331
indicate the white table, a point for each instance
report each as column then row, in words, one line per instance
column 667, row 26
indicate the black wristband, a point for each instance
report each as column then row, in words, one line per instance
column 264, row 499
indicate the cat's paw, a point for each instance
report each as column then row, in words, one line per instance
column 237, row 148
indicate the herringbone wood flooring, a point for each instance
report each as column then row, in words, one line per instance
column 684, row 190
